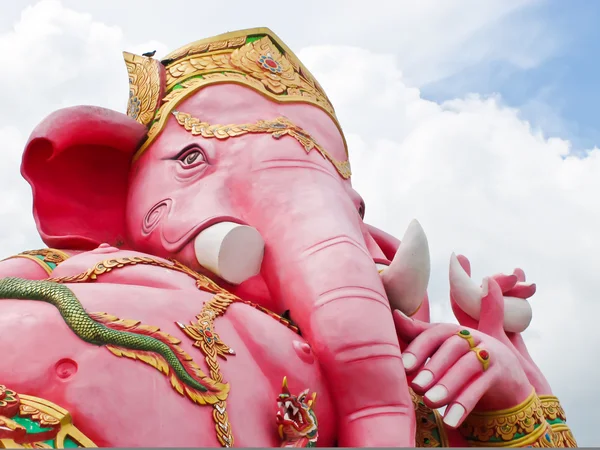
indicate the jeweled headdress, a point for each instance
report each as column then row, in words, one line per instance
column 255, row 58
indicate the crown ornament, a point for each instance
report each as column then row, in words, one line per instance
column 255, row 58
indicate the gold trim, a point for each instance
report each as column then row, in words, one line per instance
column 425, row 425
column 552, row 408
column 277, row 128
column 258, row 64
column 145, row 87
column 480, row 427
column 562, row 436
column 32, row 258
column 49, row 414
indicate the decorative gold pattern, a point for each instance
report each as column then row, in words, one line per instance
column 523, row 425
column 254, row 58
column 208, row 343
column 430, row 428
column 45, row 420
column 277, row 128
column 202, row 332
column 555, row 415
column 145, row 87
column 552, row 408
column 50, row 258
column 47, row 415
column 562, row 437
column 219, row 390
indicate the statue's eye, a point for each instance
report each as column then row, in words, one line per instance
column 361, row 210
column 192, row 158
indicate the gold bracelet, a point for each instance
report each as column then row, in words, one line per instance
column 521, row 426
column 555, row 416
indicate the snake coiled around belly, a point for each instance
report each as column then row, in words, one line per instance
column 86, row 328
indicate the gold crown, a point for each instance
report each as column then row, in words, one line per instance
column 255, row 58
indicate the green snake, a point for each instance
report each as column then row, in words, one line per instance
column 86, row 328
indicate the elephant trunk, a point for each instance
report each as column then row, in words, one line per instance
column 317, row 263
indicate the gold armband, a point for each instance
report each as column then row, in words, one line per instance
column 555, row 416
column 521, row 426
column 47, row 258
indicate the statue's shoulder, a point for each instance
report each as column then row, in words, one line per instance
column 27, row 264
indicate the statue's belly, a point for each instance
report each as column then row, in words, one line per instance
column 122, row 402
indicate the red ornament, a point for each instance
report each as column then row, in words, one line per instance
column 484, row 355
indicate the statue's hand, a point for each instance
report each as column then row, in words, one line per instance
column 465, row 300
column 468, row 370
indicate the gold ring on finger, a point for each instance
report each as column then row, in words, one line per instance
column 466, row 335
column 483, row 356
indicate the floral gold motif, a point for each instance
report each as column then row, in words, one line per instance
column 520, row 426
column 43, row 419
column 552, row 408
column 277, row 128
column 145, row 87
column 556, row 417
column 430, row 428
column 9, row 402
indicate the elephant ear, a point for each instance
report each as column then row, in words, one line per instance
column 77, row 162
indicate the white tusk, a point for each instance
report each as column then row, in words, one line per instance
column 464, row 290
column 407, row 276
column 468, row 296
column 233, row 252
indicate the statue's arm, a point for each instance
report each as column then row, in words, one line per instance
column 33, row 264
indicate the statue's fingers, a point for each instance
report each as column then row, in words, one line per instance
column 521, row 290
column 443, row 359
column 407, row 328
column 456, row 383
column 460, row 406
column 505, row 282
column 491, row 319
column 520, row 274
column 425, row 345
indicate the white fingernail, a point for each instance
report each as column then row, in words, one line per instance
column 436, row 393
column 453, row 416
column 403, row 315
column 423, row 378
column 409, row 360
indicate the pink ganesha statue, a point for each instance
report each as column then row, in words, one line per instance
column 209, row 281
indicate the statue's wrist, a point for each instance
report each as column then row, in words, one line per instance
column 557, row 419
column 521, row 426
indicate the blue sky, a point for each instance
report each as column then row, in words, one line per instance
column 560, row 95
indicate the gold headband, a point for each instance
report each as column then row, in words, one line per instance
column 254, row 58
column 277, row 128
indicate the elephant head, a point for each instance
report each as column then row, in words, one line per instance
column 231, row 160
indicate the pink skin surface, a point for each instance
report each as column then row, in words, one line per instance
column 319, row 255
column 318, row 263
column 119, row 402
column 453, row 374
column 512, row 286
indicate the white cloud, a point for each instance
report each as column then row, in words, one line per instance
column 480, row 180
